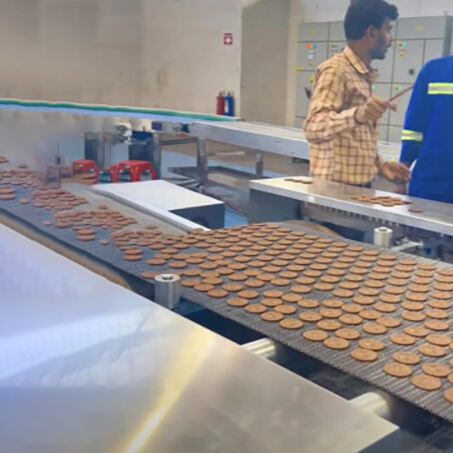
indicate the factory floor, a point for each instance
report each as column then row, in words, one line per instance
column 232, row 186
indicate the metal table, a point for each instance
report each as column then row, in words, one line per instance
column 277, row 199
column 162, row 195
column 89, row 366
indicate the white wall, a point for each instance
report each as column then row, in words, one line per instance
column 156, row 53
column 332, row 10
column 264, row 60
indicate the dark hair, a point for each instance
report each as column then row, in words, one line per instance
column 365, row 13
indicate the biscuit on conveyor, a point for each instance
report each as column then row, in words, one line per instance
column 238, row 277
column 437, row 314
column 363, row 300
column 364, row 355
column 233, row 287
column 271, row 301
column 339, row 344
column 237, row 302
column 329, row 325
column 248, row 294
column 370, row 315
column 323, row 286
column 203, row 287
column 310, row 317
column 449, row 395
column 265, row 277
column 352, row 308
column 431, row 350
column 439, row 340
column 372, row 345
column 212, row 280
column 332, row 303
column 273, row 293
column 418, row 332
column 413, row 316
column 398, row 370
column 347, row 334
column 256, row 309
column 330, row 313
column 403, row 339
column 428, row 383
column 385, row 308
column 252, row 272
column 291, row 298
column 272, row 316
column 343, row 293
column 436, row 325
column 189, row 283
column 436, row 369
column 374, row 329
column 407, row 358
column 315, row 335
column 24, row 201
column 308, row 303
column 286, row 309
column 291, row 324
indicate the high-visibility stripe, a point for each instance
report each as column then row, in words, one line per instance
column 414, row 136
column 440, row 88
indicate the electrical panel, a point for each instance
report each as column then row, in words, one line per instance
column 416, row 41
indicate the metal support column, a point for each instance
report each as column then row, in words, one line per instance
column 202, row 163
column 157, row 155
column 259, row 165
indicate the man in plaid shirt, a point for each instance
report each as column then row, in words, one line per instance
column 342, row 123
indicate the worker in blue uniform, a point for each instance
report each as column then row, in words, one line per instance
column 428, row 133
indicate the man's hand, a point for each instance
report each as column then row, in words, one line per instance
column 373, row 110
column 395, row 172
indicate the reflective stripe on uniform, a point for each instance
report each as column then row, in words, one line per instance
column 440, row 88
column 412, row 136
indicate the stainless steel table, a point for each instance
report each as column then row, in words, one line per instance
column 87, row 366
column 270, row 199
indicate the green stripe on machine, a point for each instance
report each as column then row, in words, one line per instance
column 440, row 88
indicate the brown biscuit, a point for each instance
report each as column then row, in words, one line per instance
column 436, row 370
column 416, row 297
column 291, row 324
column 376, row 284
column 281, row 282
column 329, row 325
column 363, row 300
column 428, row 383
column 189, row 283
column 310, row 317
column 254, row 283
column 305, row 280
column 398, row 370
column 255, row 309
column 449, row 395
column 273, row 293
column 389, row 322
column 178, row 265
column 291, row 298
column 354, row 278
column 349, row 285
column 437, row 314
column 86, row 237
column 330, row 313
column 397, row 282
column 315, row 335
column 374, row 329
column 271, row 301
column 373, row 345
column 237, row 302
column 238, row 277
column 385, row 308
column 347, row 334
column 286, row 309
column 432, row 350
column 436, row 325
column 444, row 279
column 252, row 272
column 413, row 316
column 336, row 272
column 441, row 295
column 203, row 287
column 329, row 279
column 272, row 316
column 370, row 315
column 403, row 339
column 448, row 272
column 352, row 308
column 301, row 289
column 369, row 292
column 218, row 293
column 23, row 201
column 413, row 306
column 265, row 277
column 364, row 355
column 395, row 290
column 418, row 332
column 133, row 257
column 148, row 275
column 422, row 281
column 343, row 293
column 308, row 303
column 339, row 344
column 224, row 270
column 408, row 358
column 104, row 242
column 439, row 304
column 378, row 276
column 439, row 340
column 248, row 294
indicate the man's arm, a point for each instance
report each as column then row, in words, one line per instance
column 325, row 120
column 415, row 123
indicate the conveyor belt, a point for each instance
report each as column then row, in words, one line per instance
column 372, row 373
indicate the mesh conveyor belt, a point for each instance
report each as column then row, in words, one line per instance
column 370, row 372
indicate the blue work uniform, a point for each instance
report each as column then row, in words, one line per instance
column 428, row 132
